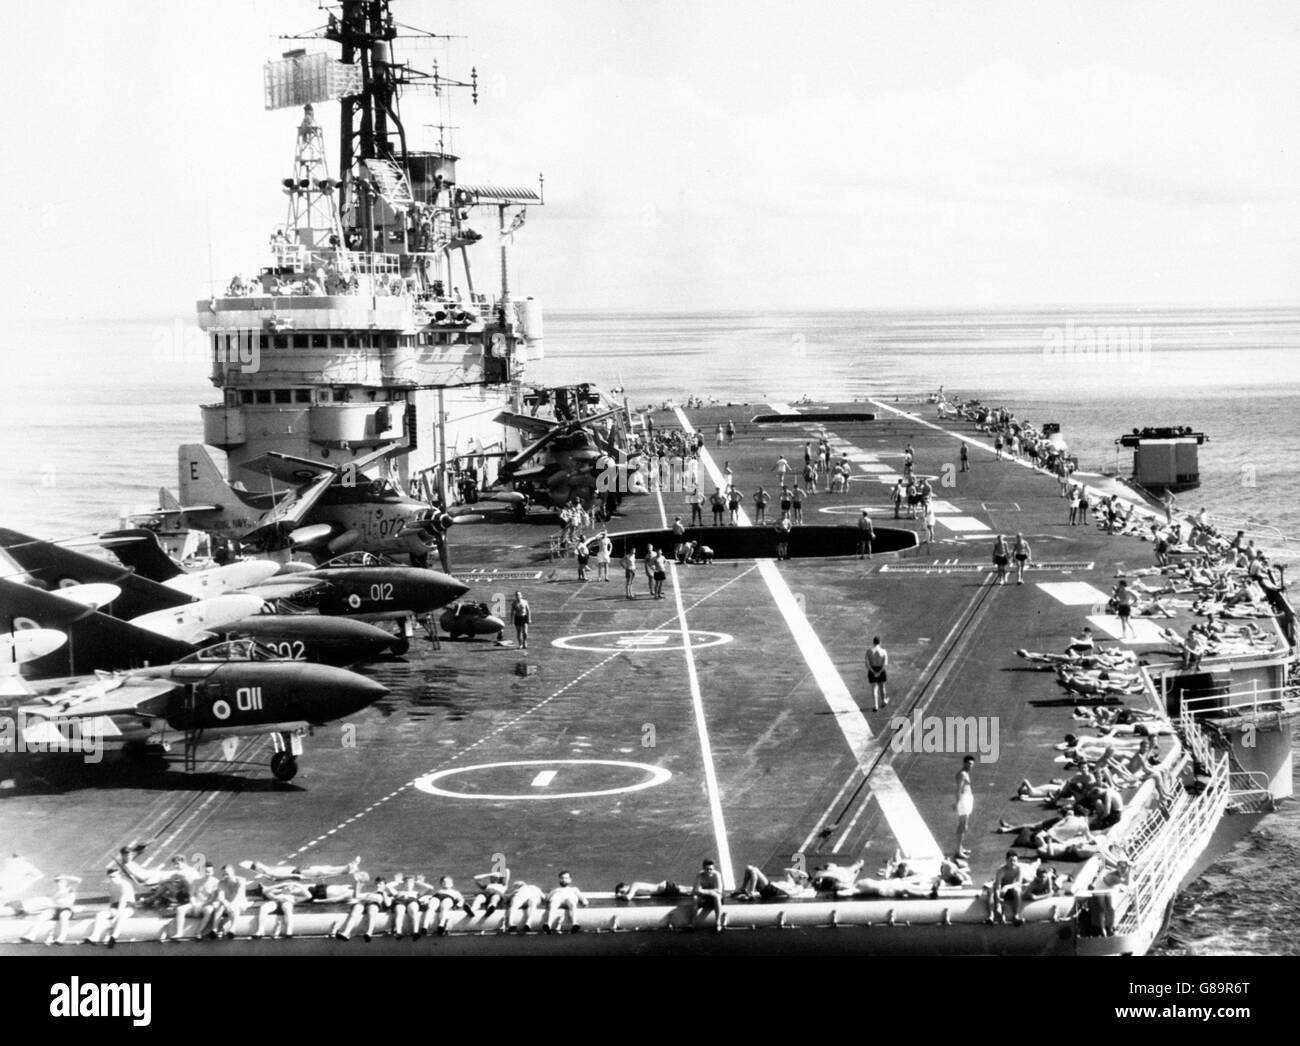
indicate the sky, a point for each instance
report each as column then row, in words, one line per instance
column 705, row 155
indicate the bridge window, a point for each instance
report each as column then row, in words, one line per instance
column 324, row 395
column 300, row 341
column 246, row 396
column 263, row 342
column 302, row 395
column 281, row 341
column 283, row 396
column 263, row 395
column 390, row 341
column 337, row 341
column 232, row 398
column 320, row 341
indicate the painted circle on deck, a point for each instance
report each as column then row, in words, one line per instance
column 640, row 640
column 525, row 774
column 855, row 510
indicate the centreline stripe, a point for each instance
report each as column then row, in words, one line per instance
column 701, row 726
column 905, row 821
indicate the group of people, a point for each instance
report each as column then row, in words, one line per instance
column 202, row 903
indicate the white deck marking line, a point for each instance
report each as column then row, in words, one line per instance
column 544, row 778
column 701, row 725
column 1073, row 593
column 905, row 821
column 966, row 524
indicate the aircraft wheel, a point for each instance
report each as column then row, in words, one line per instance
column 284, row 767
column 400, row 645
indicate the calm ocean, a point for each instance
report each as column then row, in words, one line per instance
column 92, row 417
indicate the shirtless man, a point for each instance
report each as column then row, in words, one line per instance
column 281, row 899
column 296, row 871
column 564, row 898
column 877, row 674
column 229, row 904
column 121, row 906
column 708, row 895
column 1008, row 884
column 964, row 804
column 525, row 899
column 756, row 886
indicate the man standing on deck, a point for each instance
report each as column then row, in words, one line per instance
column 965, row 458
column 782, row 467
column 718, row 503
column 523, row 616
column 866, row 535
column 604, row 549
column 696, row 500
column 796, row 500
column 877, row 662
column 731, row 432
column 761, row 500
column 783, row 537
column 965, row 803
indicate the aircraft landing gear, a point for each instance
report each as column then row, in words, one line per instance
column 284, row 767
column 404, row 633
column 284, row 763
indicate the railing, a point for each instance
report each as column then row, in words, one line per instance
column 1254, row 701
column 1171, row 850
column 1163, row 847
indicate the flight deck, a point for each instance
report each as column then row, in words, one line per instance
column 730, row 719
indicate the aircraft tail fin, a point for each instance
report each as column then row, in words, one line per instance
column 145, row 555
column 201, row 482
column 95, row 642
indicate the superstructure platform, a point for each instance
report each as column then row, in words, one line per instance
column 730, row 719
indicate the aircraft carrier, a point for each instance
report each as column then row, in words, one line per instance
column 634, row 738
column 731, row 720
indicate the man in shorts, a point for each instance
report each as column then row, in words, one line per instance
column 522, row 614
column 628, row 563
column 564, row 898
column 877, row 674
column 866, row 535
column 708, row 895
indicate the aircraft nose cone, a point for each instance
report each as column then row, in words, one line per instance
column 370, row 689
column 443, row 588
column 338, row 692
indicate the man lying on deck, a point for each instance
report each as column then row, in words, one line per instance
column 293, row 871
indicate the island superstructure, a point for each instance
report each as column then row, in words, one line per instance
column 365, row 328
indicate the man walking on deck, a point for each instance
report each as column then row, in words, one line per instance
column 877, row 662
